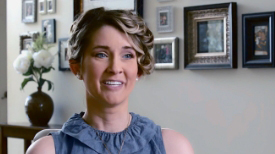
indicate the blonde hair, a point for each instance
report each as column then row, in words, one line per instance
column 132, row 25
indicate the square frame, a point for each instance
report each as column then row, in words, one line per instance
column 226, row 15
column 258, row 40
column 62, row 54
column 27, row 38
column 79, row 6
column 165, row 53
column 29, row 8
column 49, row 30
column 51, row 6
column 42, row 6
column 165, row 19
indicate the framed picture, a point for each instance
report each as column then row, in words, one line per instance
column 81, row 6
column 165, row 19
column 27, row 39
column 210, row 36
column 48, row 30
column 42, row 6
column 51, row 8
column 165, row 53
column 63, row 54
column 258, row 40
column 29, row 11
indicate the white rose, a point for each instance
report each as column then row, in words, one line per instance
column 27, row 54
column 42, row 58
column 22, row 64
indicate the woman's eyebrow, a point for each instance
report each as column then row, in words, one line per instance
column 128, row 47
column 101, row 47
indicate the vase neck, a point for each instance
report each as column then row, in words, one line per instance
column 38, row 89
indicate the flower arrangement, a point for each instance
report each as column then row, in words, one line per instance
column 34, row 62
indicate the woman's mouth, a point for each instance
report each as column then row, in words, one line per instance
column 113, row 83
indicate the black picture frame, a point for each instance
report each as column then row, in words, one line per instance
column 63, row 63
column 78, row 7
column 218, row 14
column 49, row 30
column 258, row 40
column 29, row 11
column 29, row 38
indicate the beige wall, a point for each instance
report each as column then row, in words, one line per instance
column 220, row 111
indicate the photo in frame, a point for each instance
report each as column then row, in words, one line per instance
column 210, row 36
column 165, row 19
column 27, row 39
column 48, row 30
column 258, row 40
column 29, row 8
column 51, row 6
column 165, row 53
column 63, row 54
column 42, row 6
column 80, row 6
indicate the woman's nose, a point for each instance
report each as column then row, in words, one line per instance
column 115, row 66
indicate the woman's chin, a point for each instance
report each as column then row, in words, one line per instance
column 114, row 102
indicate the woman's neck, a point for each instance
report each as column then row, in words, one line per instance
column 112, row 120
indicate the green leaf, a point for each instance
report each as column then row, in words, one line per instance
column 29, row 72
column 50, row 84
column 26, row 80
column 41, row 82
column 39, row 42
column 36, row 69
column 46, row 70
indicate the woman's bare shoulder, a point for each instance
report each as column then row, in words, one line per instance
column 176, row 143
column 45, row 145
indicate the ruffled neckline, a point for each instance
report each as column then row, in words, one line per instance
column 140, row 131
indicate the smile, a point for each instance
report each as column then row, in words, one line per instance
column 113, row 83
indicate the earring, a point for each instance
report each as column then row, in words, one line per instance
column 137, row 79
column 78, row 76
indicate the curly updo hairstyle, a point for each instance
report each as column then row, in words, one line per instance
column 125, row 21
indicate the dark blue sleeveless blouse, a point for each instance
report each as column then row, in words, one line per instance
column 77, row 137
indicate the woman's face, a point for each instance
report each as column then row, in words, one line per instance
column 109, row 68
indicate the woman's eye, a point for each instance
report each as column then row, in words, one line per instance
column 128, row 56
column 101, row 55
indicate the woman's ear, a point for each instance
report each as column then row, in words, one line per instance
column 75, row 68
column 139, row 74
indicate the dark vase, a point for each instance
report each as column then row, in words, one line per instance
column 39, row 108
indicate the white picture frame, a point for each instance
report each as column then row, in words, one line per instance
column 42, row 6
column 166, row 53
column 51, row 6
column 80, row 6
column 165, row 19
column 29, row 8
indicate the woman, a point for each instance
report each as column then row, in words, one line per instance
column 109, row 51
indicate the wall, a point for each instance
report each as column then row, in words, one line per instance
column 219, row 111
column 3, row 61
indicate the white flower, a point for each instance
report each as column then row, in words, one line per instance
column 22, row 63
column 42, row 58
column 27, row 54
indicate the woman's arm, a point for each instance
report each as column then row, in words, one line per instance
column 45, row 145
column 175, row 143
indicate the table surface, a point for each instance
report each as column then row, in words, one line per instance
column 30, row 126
column 25, row 131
